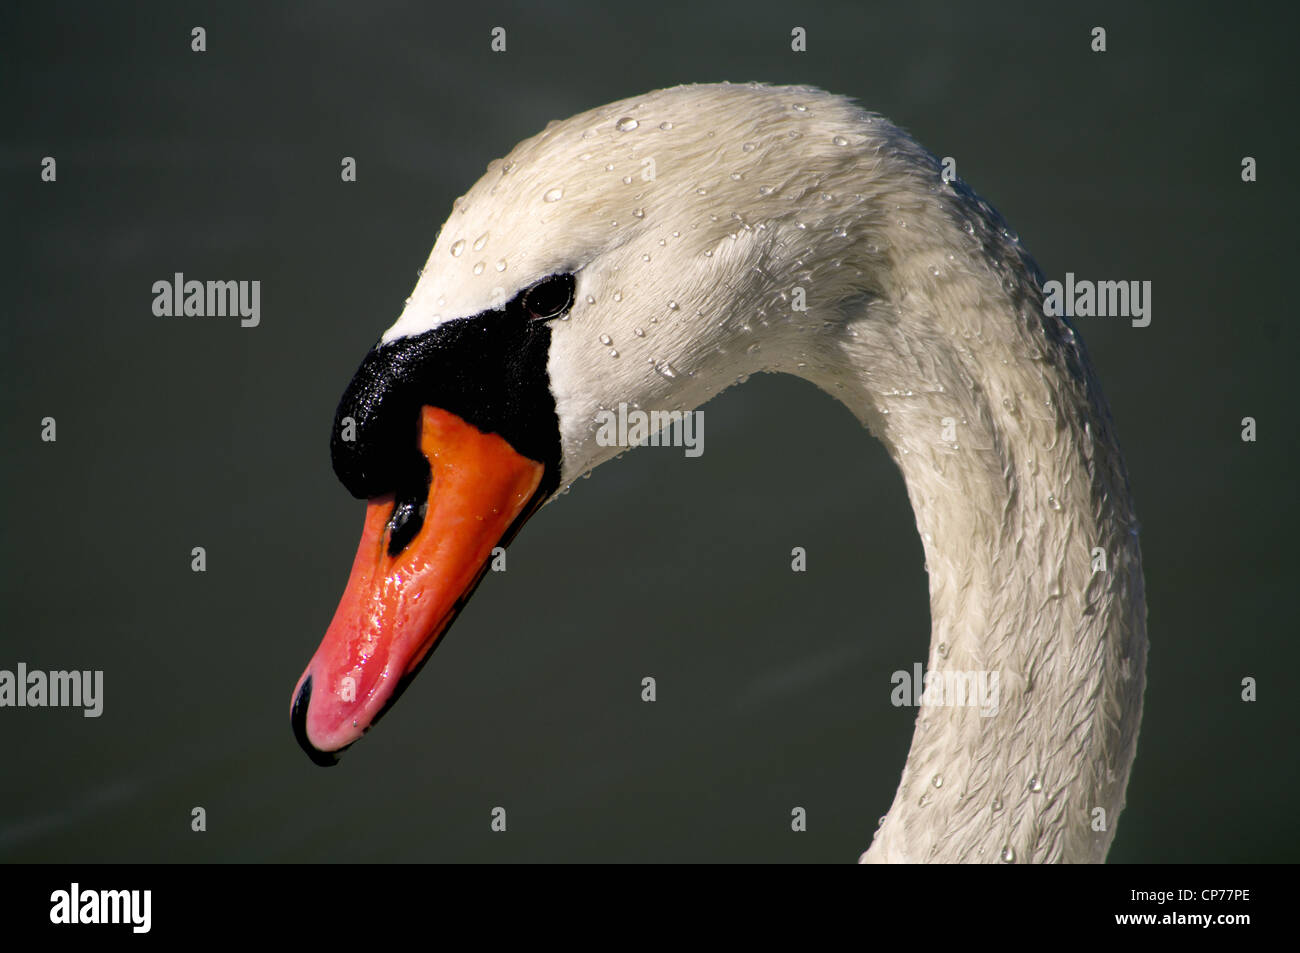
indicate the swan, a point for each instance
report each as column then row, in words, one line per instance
column 655, row 251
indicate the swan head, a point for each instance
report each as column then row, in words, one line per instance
column 627, row 255
column 686, row 218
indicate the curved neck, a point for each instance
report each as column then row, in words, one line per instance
column 992, row 413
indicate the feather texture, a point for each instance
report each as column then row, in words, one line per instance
column 719, row 230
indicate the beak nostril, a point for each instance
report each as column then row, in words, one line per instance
column 298, row 717
column 411, row 503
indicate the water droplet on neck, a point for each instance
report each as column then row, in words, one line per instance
column 665, row 126
column 480, row 242
column 501, row 264
column 478, row 267
column 941, row 649
column 997, row 804
column 1035, row 785
column 606, row 340
column 553, row 195
column 618, row 296
column 638, row 332
column 1008, row 855
column 613, row 353
column 1053, row 502
column 626, row 124
column 672, row 306
column 840, row 141
column 638, row 213
column 457, row 247
column 938, row 780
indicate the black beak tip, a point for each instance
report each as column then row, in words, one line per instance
column 298, row 717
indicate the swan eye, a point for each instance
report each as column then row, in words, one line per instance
column 549, row 298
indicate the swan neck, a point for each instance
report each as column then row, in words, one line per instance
column 991, row 411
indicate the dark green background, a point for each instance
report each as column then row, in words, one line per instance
column 773, row 686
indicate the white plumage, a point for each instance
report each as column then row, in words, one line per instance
column 695, row 214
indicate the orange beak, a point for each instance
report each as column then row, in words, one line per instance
column 396, row 608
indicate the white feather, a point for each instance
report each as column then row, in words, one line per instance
column 694, row 214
